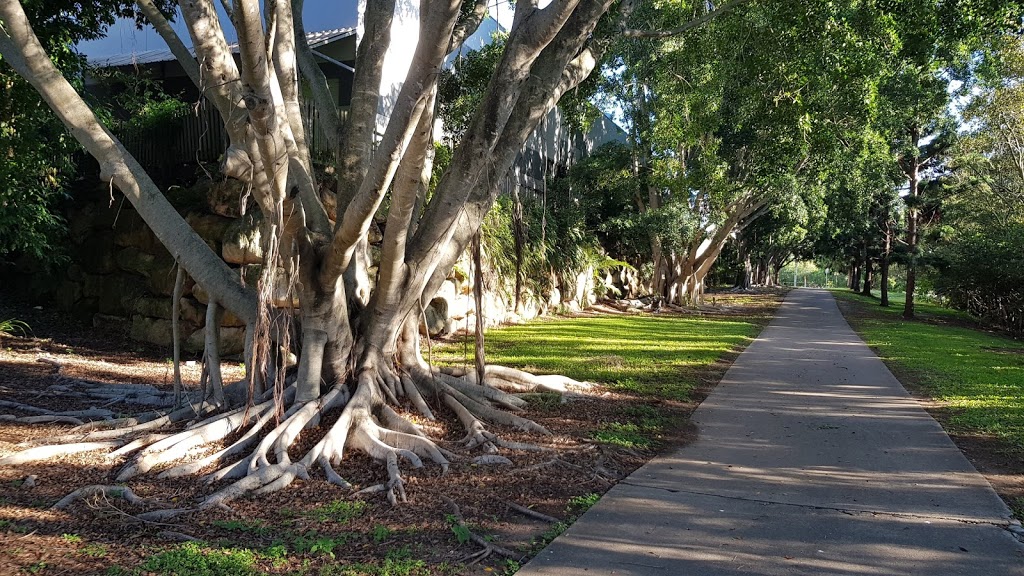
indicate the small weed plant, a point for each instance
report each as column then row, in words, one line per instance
column 255, row 527
column 14, row 327
column 580, row 504
column 380, row 533
column 192, row 559
column 397, row 562
column 460, row 530
column 94, row 550
column 339, row 511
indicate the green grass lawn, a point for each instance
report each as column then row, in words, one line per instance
column 977, row 375
column 645, row 355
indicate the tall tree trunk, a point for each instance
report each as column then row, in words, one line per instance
column 884, row 267
column 478, row 301
column 519, row 238
column 743, row 279
column 913, row 180
column 868, row 270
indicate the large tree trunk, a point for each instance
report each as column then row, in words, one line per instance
column 359, row 350
column 744, row 277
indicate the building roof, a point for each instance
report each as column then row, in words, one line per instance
column 315, row 39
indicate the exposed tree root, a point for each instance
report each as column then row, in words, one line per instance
column 531, row 513
column 488, row 547
column 520, row 381
column 88, row 413
column 491, row 460
column 122, row 492
column 162, row 516
column 47, row 419
column 50, row 451
column 109, row 394
column 257, row 459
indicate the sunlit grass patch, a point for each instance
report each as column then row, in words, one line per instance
column 644, row 355
column 977, row 375
column 192, row 559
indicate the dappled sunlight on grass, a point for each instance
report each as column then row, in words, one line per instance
column 640, row 354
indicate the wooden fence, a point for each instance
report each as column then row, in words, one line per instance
column 198, row 136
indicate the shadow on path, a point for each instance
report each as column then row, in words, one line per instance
column 812, row 459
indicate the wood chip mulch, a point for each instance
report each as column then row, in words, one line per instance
column 105, row 536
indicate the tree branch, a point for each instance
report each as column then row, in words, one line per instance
column 468, row 27
column 330, row 121
column 181, row 53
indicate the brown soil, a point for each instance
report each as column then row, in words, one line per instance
column 99, row 535
column 1000, row 465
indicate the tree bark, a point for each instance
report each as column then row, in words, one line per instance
column 913, row 181
column 868, row 269
column 884, row 267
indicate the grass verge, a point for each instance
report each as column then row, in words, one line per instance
column 664, row 364
column 975, row 377
column 646, row 355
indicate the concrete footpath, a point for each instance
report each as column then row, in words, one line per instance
column 811, row 459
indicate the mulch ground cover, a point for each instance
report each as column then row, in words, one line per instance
column 311, row 527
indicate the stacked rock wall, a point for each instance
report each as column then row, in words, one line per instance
column 120, row 275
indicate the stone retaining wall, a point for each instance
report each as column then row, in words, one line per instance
column 120, row 275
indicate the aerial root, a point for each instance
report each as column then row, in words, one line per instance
column 129, row 426
column 332, row 476
column 135, row 445
column 248, row 439
column 471, row 413
column 242, row 467
column 391, row 419
column 139, row 394
column 494, row 415
column 470, row 388
column 413, row 393
column 122, row 492
column 394, row 488
column 306, row 417
column 488, row 547
column 476, row 434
